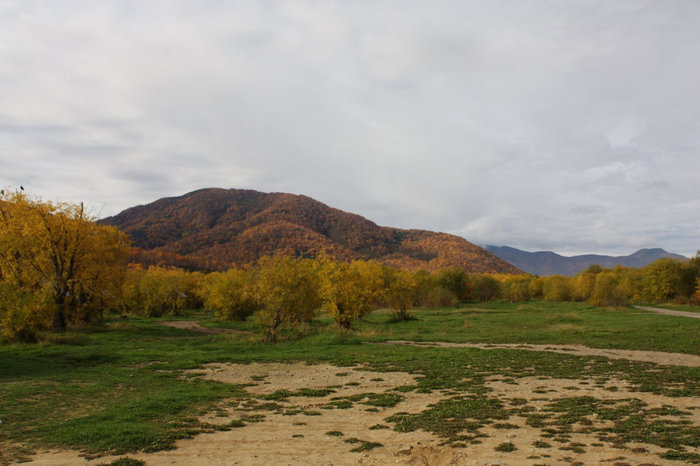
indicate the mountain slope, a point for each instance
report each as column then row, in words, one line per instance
column 550, row 263
column 215, row 228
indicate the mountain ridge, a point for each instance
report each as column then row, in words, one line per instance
column 214, row 228
column 550, row 263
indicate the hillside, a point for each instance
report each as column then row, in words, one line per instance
column 216, row 228
column 550, row 263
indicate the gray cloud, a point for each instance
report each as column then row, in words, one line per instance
column 568, row 126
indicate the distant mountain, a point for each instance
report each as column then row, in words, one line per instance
column 216, row 228
column 550, row 263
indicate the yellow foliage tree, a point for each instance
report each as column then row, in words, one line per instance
column 607, row 290
column 402, row 289
column 351, row 290
column 515, row 288
column 286, row 289
column 56, row 265
column 230, row 294
column 557, row 288
column 167, row 291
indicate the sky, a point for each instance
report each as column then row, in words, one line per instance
column 571, row 126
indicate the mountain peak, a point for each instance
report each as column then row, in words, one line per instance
column 214, row 228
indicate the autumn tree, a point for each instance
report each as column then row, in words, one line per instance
column 168, row 290
column 663, row 280
column 696, row 296
column 351, row 290
column 286, row 289
column 582, row 284
column 56, row 264
column 455, row 279
column 431, row 293
column 130, row 300
column 556, row 288
column 401, row 292
column 484, row 287
column 230, row 294
column 515, row 288
column 608, row 290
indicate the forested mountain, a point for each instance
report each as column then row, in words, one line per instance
column 216, row 228
column 550, row 263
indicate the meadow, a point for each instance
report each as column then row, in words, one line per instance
column 124, row 390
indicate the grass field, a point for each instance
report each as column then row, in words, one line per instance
column 121, row 387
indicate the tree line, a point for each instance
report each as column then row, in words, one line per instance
column 59, row 268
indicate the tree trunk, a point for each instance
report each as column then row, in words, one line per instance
column 59, row 320
column 59, row 315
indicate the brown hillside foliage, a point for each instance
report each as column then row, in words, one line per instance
column 213, row 229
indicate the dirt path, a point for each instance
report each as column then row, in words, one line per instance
column 670, row 312
column 657, row 357
column 195, row 327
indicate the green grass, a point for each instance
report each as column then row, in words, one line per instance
column 540, row 322
column 120, row 388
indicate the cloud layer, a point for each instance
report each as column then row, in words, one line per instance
column 570, row 126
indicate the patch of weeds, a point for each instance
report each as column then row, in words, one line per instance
column 279, row 395
column 681, row 456
column 255, row 406
column 258, row 378
column 334, row 433
column 667, row 411
column 310, row 413
column 338, row 404
column 505, row 447
column 314, row 392
column 575, row 447
column 404, row 388
column 447, row 418
column 376, row 379
column 352, row 384
column 342, row 374
column 537, row 420
column 297, row 436
column 383, row 400
column 364, row 445
column 380, row 400
column 235, row 424
column 252, row 418
column 378, row 427
column 124, row 461
column 504, row 425
column 541, row 444
column 300, row 423
column 372, row 410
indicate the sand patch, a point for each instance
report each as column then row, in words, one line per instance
column 297, row 431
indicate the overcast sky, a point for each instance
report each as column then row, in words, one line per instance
column 571, row 126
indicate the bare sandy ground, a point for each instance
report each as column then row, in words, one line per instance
column 670, row 312
column 657, row 357
column 301, row 439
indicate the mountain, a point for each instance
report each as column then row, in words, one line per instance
column 215, row 228
column 550, row 263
